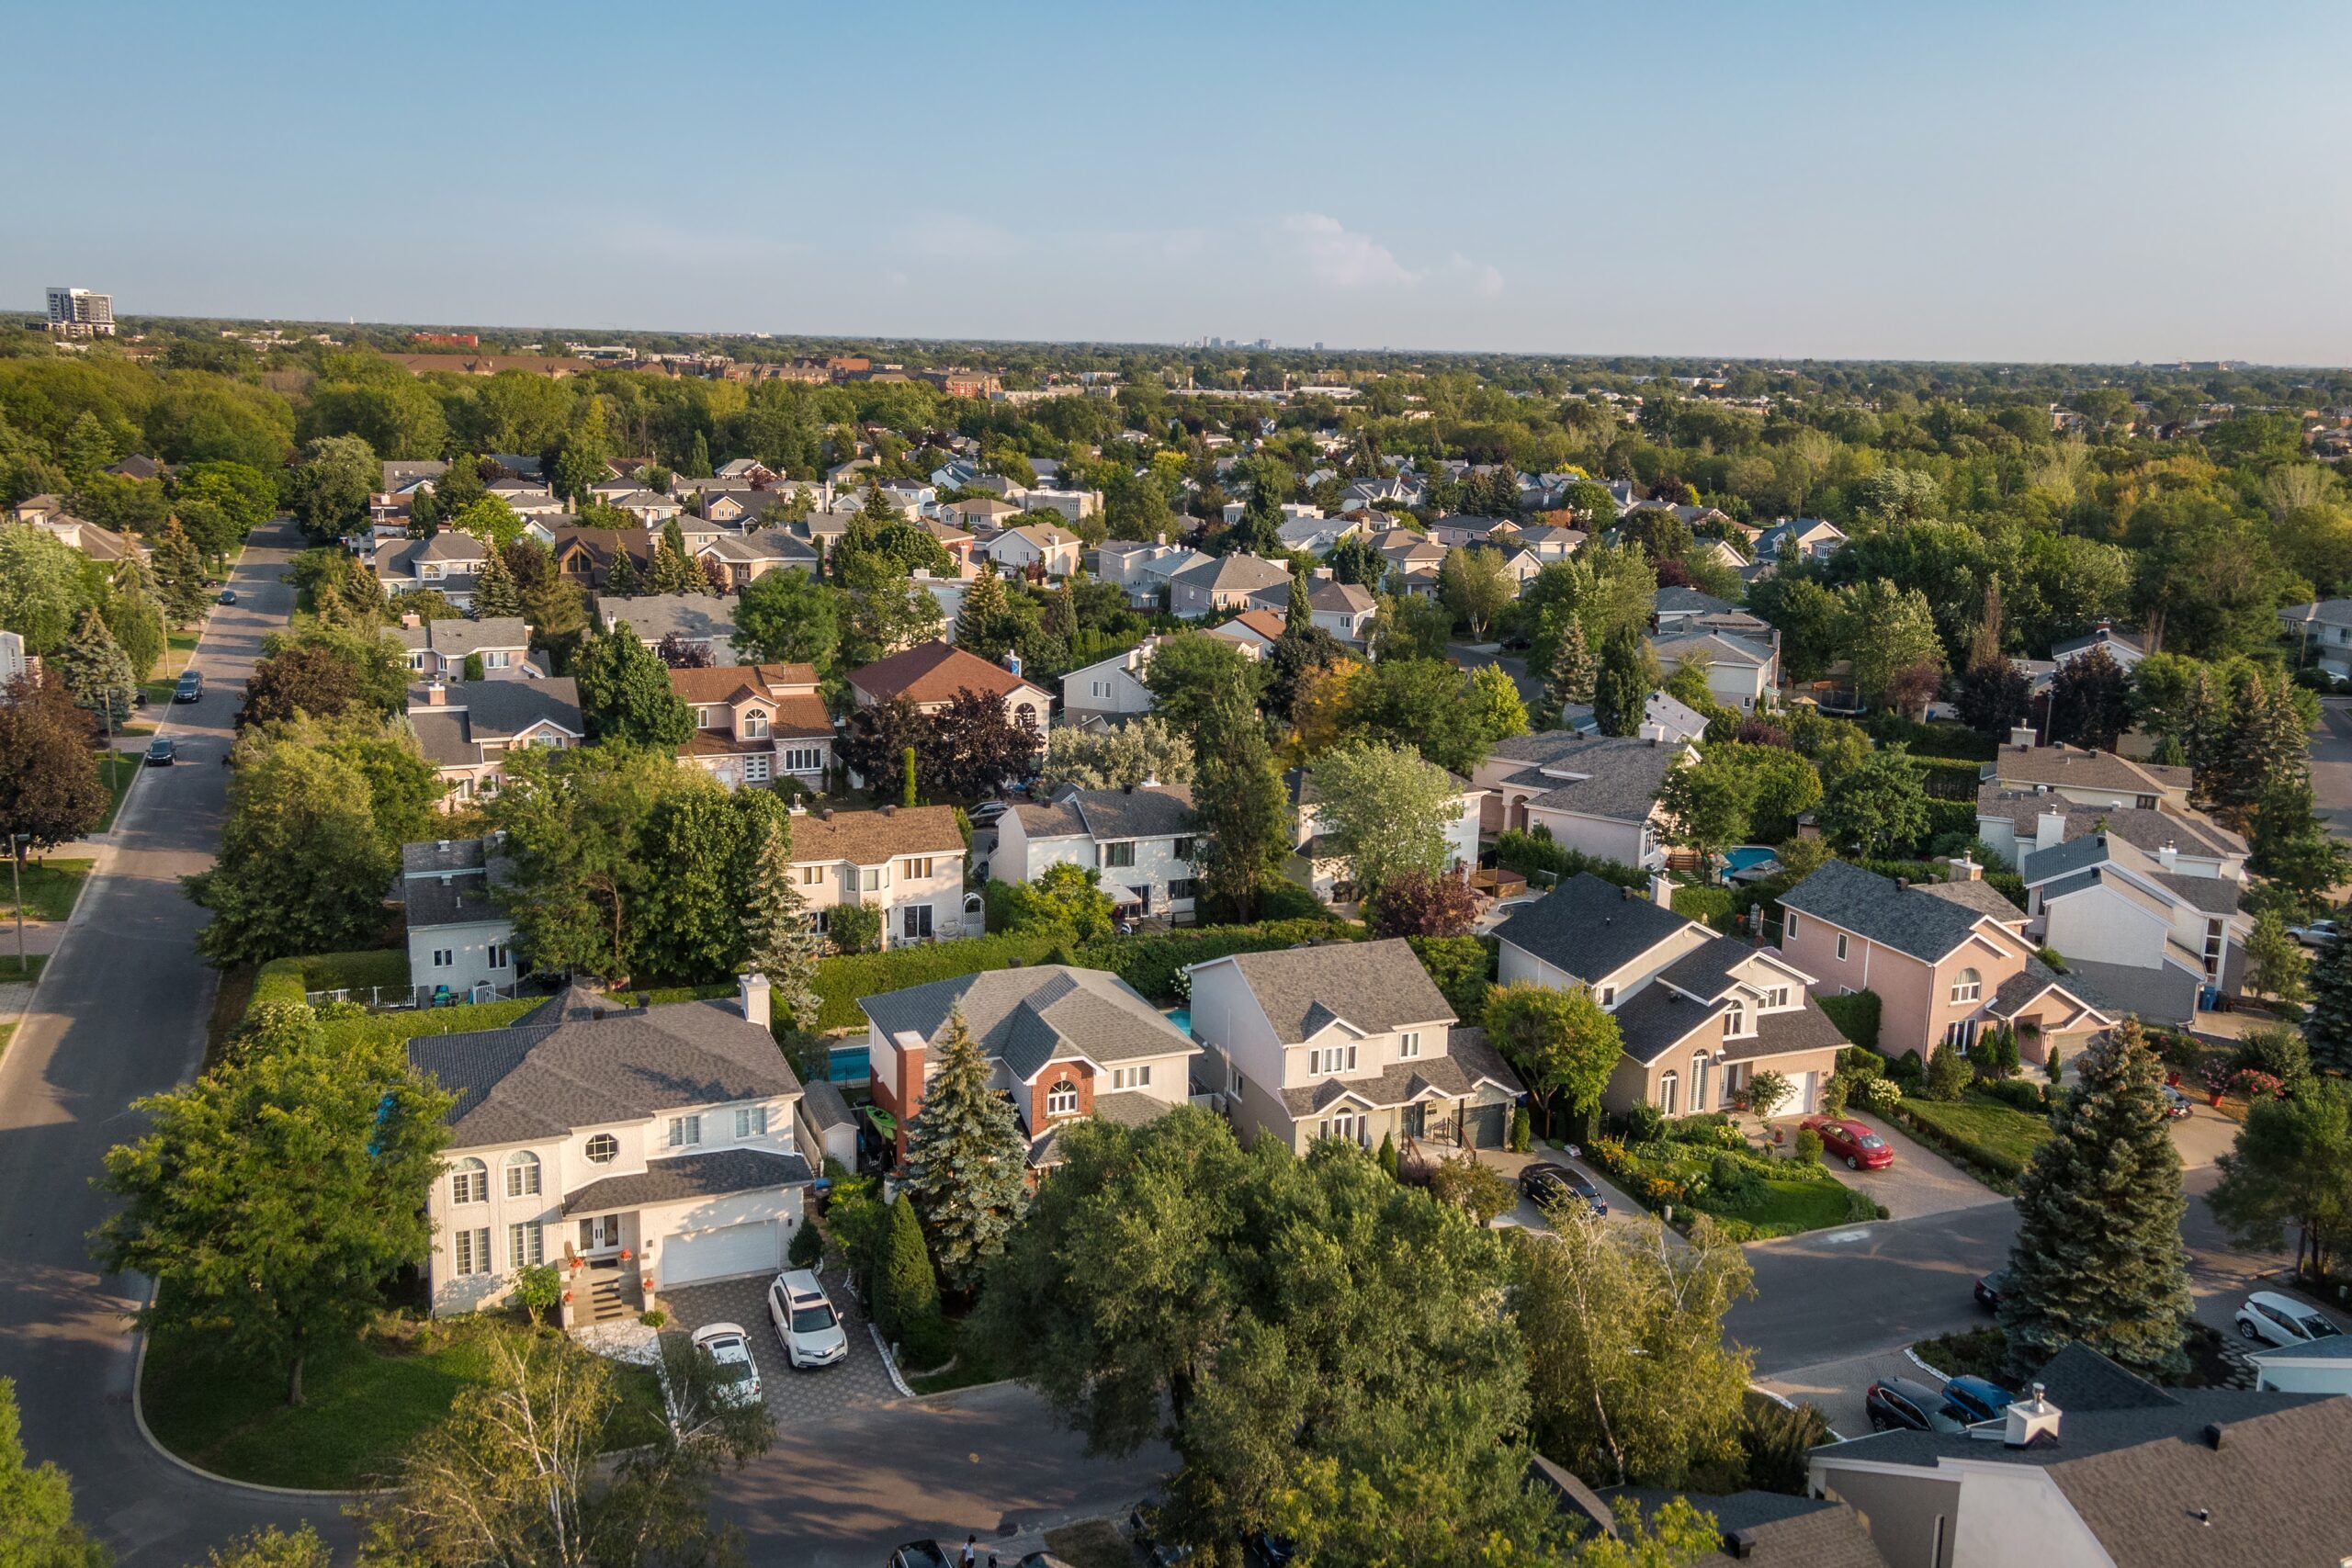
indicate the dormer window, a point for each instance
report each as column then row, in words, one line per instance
column 1062, row 1098
column 755, row 724
column 1736, row 1021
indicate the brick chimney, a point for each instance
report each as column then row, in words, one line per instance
column 437, row 695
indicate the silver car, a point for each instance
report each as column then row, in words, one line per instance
column 805, row 1320
column 729, row 1349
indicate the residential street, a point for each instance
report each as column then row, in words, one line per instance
column 2332, row 764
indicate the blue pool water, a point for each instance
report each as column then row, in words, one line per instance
column 1746, row 855
column 849, row 1064
column 1181, row 1017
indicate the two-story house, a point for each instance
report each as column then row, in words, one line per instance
column 1346, row 1040
column 931, row 674
column 1800, row 539
column 437, row 651
column 1742, row 672
column 2323, row 632
column 1222, row 583
column 458, row 937
column 1945, row 959
column 2126, row 649
column 755, row 723
column 2148, row 930
column 1318, row 866
column 1142, row 841
column 1676, row 605
column 904, row 862
column 1700, row 1014
column 2035, row 798
column 449, row 563
column 1063, row 1043
column 1255, row 632
column 696, row 620
column 1343, row 609
column 1595, row 793
column 1109, row 690
column 1035, row 550
column 467, row 731
column 637, row 1150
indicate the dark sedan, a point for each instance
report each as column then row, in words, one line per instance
column 1549, row 1183
column 1989, row 1287
column 228, row 595
column 1976, row 1399
column 163, row 751
column 1901, row 1405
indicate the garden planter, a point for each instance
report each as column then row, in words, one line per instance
column 2214, row 1101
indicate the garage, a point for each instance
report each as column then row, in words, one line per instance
column 1485, row 1126
column 722, row 1253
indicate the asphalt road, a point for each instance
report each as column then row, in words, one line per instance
column 2332, row 764
column 120, row 1013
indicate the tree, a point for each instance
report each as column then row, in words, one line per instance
column 1993, row 697
column 777, row 939
column 2292, row 1166
column 985, row 626
column 1142, row 751
column 967, row 1160
column 95, row 671
column 1623, row 684
column 1241, row 806
column 135, row 620
column 1501, row 712
column 1561, row 1043
column 906, row 1290
column 786, row 617
column 1410, row 627
column 689, row 921
column 1706, row 805
column 1476, row 586
column 2090, row 701
column 1358, row 561
column 1478, row 1190
column 1417, row 903
column 1065, row 898
column 41, row 588
column 269, row 1197
column 495, row 594
column 625, row 693
column 180, row 571
column 1627, row 1373
column 1387, row 811
column 2259, row 744
column 973, row 750
column 1572, row 673
column 519, row 1473
column 2329, row 1026
column 302, row 865
column 622, row 580
column 2098, row 1258
column 1879, row 807
column 2296, row 855
column 1191, row 674
column 887, row 611
column 2274, row 961
column 1419, row 703
column 37, row 1503
column 328, row 490
column 49, row 789
column 555, row 605
column 578, row 881
column 1885, row 631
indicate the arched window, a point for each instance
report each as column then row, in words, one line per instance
column 1668, row 1087
column 1968, row 986
column 755, row 724
column 522, row 1174
column 470, row 1183
column 1062, row 1098
column 602, row 1148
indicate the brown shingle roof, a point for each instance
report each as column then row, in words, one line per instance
column 932, row 672
column 725, row 683
column 869, row 838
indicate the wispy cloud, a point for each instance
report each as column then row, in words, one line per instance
column 1339, row 257
column 1481, row 278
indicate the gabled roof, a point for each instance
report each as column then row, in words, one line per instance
column 1714, row 646
column 716, row 1174
column 1147, row 811
column 1904, row 919
column 690, row 618
column 870, row 838
column 1232, row 574
column 934, row 672
column 1027, row 1018
column 455, row 636
column 1375, row 986
column 1679, row 601
column 452, row 733
column 1588, row 926
column 2150, row 831
column 1340, row 597
column 2076, row 767
column 1977, row 895
column 728, row 683
column 1468, row 1064
column 1618, row 777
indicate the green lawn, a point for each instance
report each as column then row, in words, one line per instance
column 967, row 1370
column 363, row 1401
column 1973, row 1352
column 50, row 888
column 12, row 976
column 1997, row 1139
column 117, row 776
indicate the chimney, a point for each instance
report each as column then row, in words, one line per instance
column 437, row 695
column 1960, row 868
column 1012, row 661
column 2033, row 1423
column 2168, row 856
column 2049, row 830
column 1901, row 885
column 1321, row 574
column 1662, row 891
column 412, row 620
column 2023, row 737
column 752, row 991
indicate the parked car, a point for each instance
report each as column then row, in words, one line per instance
column 1546, row 1183
column 2270, row 1318
column 986, row 812
column 2319, row 933
column 190, row 688
column 1902, row 1405
column 1974, row 1399
column 1261, row 1550
column 731, row 1348
column 163, row 751
column 2176, row 1102
column 1989, row 1287
column 1143, row 1528
column 805, row 1320
column 1844, row 1138
column 923, row 1554
column 228, row 596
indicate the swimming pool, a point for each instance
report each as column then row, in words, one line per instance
column 1747, row 856
column 1181, row 1017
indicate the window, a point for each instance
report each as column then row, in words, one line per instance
column 1967, row 987
column 919, row 869
column 1119, row 856
column 1789, row 930
column 1735, row 1019
column 686, row 1132
column 496, row 659
column 1841, row 947
column 755, row 724
column 1062, row 1098
column 526, row 1245
column 1605, row 996
column 522, row 1174
column 444, row 958
column 1346, row 1124
column 1777, row 997
column 758, row 768
column 1183, row 849
column 1180, row 887
column 2215, row 939
column 804, row 760
column 472, row 1250
column 1699, row 1081
column 496, row 956
column 750, row 1121
column 1131, row 1078
column 1408, row 1044
column 871, row 879
column 810, row 874
column 918, row 923
column 1667, row 1087
column 602, row 1148
column 1331, row 1059
column 470, row 1183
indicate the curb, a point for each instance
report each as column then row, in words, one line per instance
column 138, row 1414
column 888, row 1364
column 1937, row 1373
column 1787, row 1404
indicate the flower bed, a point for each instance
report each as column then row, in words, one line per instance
column 1709, row 1169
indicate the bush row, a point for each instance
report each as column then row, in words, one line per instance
column 1528, row 853
column 286, row 980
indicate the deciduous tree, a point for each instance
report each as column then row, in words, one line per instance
column 1142, row 749
column 1243, row 810
column 1561, row 1043
column 37, row 1503
column 625, row 693
column 2292, row 1166
column 49, row 790
column 1385, row 810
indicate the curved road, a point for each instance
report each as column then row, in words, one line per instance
column 120, row 1013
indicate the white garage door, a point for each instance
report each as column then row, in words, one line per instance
column 720, row 1254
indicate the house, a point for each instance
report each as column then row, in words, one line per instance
column 904, row 862
column 1141, row 839
column 1312, row 532
column 586, row 555
column 1461, row 528
column 1142, row 568
column 2015, row 820
column 756, row 724
column 2145, row 931
column 467, row 731
column 1663, row 716
column 1408, row 551
column 458, row 936
column 1343, row 609
column 959, row 544
column 1254, row 631
column 1594, row 794
column 1741, row 674
column 1062, row 1043
column 2126, row 649
column 649, row 507
column 1346, row 1040
column 982, row 514
column 438, row 650
column 698, row 620
column 449, row 561
column 1220, row 583
column 1109, row 690
column 1945, row 959
column 402, row 475
column 2317, row 1366
column 2078, row 775
column 1077, row 505
column 1800, row 539
column 48, row 514
column 1700, row 1014
column 639, row 1149
column 1676, row 605
column 931, row 674
column 1031, row 548
column 743, row 557
column 2323, row 634
column 1762, row 1530
column 2101, row 1469
column 1546, row 543
column 1315, row 865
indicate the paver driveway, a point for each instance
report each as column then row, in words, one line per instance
column 796, row 1398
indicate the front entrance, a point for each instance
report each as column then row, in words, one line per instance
column 601, row 1234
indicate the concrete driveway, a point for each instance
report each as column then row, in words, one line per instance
column 1921, row 1182
column 2203, row 1135
column 1524, row 1212
column 796, row 1397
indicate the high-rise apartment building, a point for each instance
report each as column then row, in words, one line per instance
column 77, row 313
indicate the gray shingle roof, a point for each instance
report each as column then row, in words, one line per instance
column 2063, row 859
column 1375, row 986
column 1157, row 812
column 2075, row 768
column 1801, row 1028
column 464, row 900
column 2143, row 830
column 1468, row 1062
column 1655, row 1019
column 1027, row 1018
column 1866, row 904
column 1679, row 601
column 713, row 1175
column 1705, row 970
column 1618, row 776
column 824, row 1106
column 455, row 636
column 2212, row 895
column 692, row 617
column 1771, row 1530
column 1974, row 895
column 558, row 1069
column 1233, row 574
column 445, row 854
column 1588, row 926
column 478, row 710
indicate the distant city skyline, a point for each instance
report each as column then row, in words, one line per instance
column 2102, row 182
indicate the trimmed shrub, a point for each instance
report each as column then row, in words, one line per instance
column 1523, row 1131
column 1463, row 968
column 807, row 1245
column 2023, row 1094
column 1833, row 1097
column 1861, row 1064
column 1949, row 1073
column 1808, row 1146
column 1528, row 853
column 1881, row 1095
column 1708, row 905
column 1856, row 1014
column 855, row 927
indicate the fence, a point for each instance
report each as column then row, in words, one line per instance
column 404, row 998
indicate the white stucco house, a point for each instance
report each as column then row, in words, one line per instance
column 1141, row 839
column 1594, row 794
column 459, row 938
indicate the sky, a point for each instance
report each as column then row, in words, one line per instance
column 2083, row 182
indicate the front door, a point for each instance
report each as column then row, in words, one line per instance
column 601, row 1234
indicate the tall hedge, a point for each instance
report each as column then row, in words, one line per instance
column 1855, row 1015
column 1530, row 852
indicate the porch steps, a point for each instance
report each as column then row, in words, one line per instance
column 605, row 1300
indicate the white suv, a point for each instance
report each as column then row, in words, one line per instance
column 805, row 1320
column 2270, row 1318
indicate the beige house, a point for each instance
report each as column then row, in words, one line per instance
column 466, row 729
column 755, row 723
column 1035, row 548
column 438, row 650
column 905, row 863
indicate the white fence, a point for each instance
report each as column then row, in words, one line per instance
column 401, row 999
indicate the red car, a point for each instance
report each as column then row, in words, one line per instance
column 1849, row 1140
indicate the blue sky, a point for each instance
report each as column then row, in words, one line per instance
column 2083, row 181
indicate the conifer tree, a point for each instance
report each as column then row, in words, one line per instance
column 179, row 570
column 2098, row 1258
column 1622, row 686
column 1300, row 618
column 2328, row 1027
column 982, row 621
column 621, row 579
column 698, row 459
column 776, row 935
column 95, row 671
column 673, row 569
column 905, row 1290
column 1571, row 675
column 495, row 594
column 966, row 1161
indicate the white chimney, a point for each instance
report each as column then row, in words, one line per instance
column 2049, row 830
column 2023, row 737
column 2033, row 1423
column 2168, row 856
column 751, row 990
column 1662, row 890
column 1961, row 868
